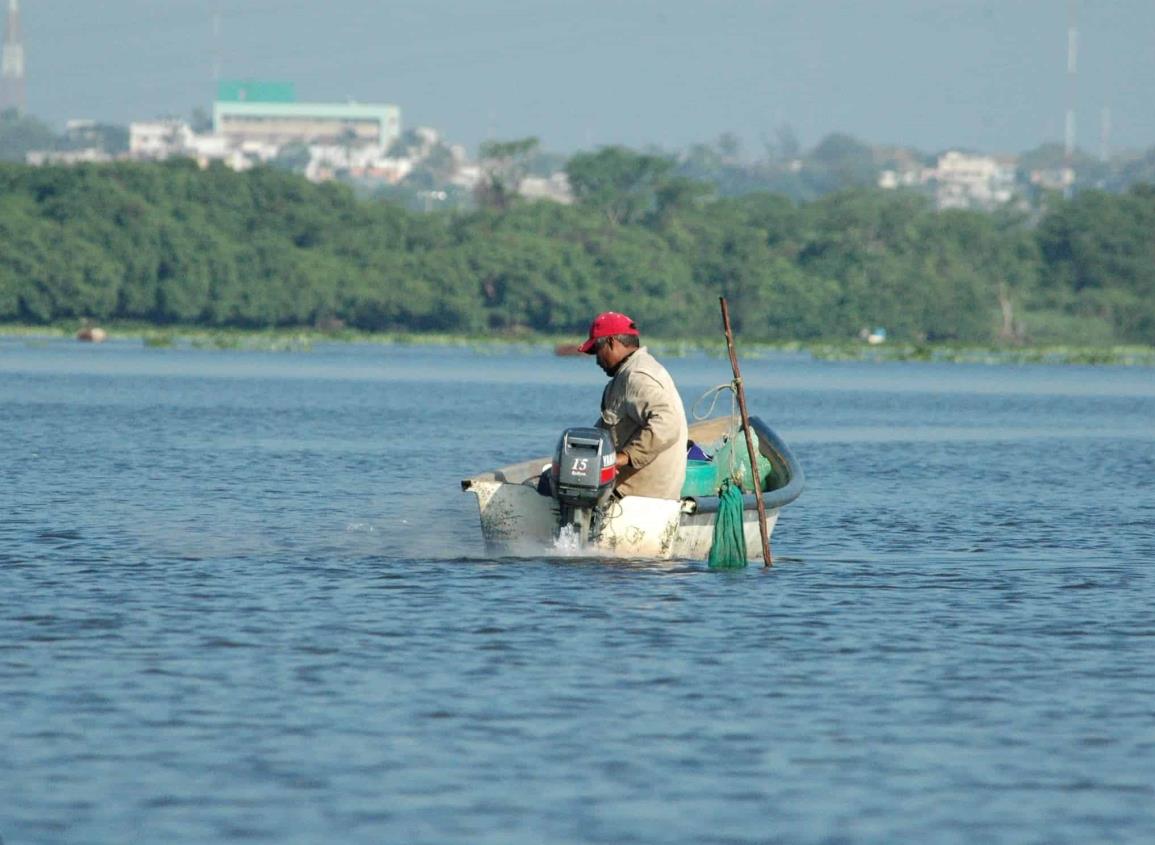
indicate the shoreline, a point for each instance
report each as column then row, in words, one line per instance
column 303, row 340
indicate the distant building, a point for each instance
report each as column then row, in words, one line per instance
column 1054, row 178
column 467, row 176
column 555, row 187
column 82, row 130
column 254, row 122
column 88, row 155
column 162, row 139
column 159, row 139
column 959, row 180
column 84, row 142
column 907, row 178
column 267, row 112
column 365, row 164
column 968, row 181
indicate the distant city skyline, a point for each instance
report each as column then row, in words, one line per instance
column 988, row 76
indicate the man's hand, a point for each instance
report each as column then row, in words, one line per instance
column 623, row 460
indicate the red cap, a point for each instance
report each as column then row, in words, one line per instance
column 604, row 325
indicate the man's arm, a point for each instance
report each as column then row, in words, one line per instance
column 601, row 423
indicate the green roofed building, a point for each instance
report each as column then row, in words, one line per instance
column 267, row 112
column 255, row 91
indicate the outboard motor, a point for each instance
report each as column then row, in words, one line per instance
column 584, row 469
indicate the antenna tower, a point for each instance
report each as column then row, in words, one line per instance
column 1105, row 134
column 12, row 63
column 1072, row 68
column 216, row 19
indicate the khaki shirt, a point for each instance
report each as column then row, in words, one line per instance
column 643, row 412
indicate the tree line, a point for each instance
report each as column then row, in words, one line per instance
column 173, row 244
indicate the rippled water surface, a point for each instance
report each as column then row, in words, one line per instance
column 243, row 597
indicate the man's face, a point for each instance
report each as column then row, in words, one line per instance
column 609, row 354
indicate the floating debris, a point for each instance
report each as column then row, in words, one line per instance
column 92, row 334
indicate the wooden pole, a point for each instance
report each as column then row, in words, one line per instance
column 741, row 391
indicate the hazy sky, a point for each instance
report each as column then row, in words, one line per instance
column 981, row 74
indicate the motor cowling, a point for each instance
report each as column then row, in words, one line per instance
column 583, row 474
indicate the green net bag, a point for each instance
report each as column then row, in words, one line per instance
column 728, row 550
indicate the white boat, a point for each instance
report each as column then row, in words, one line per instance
column 519, row 521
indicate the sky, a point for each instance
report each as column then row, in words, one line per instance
column 982, row 75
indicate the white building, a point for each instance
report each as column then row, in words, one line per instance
column 326, row 161
column 162, row 139
column 466, row 176
column 907, row 178
column 89, row 155
column 159, row 139
column 969, row 181
column 959, row 180
column 554, row 187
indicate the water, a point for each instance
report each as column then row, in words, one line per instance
column 242, row 598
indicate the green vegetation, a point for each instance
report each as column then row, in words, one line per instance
column 171, row 245
column 20, row 133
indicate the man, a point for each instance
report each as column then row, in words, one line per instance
column 641, row 409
